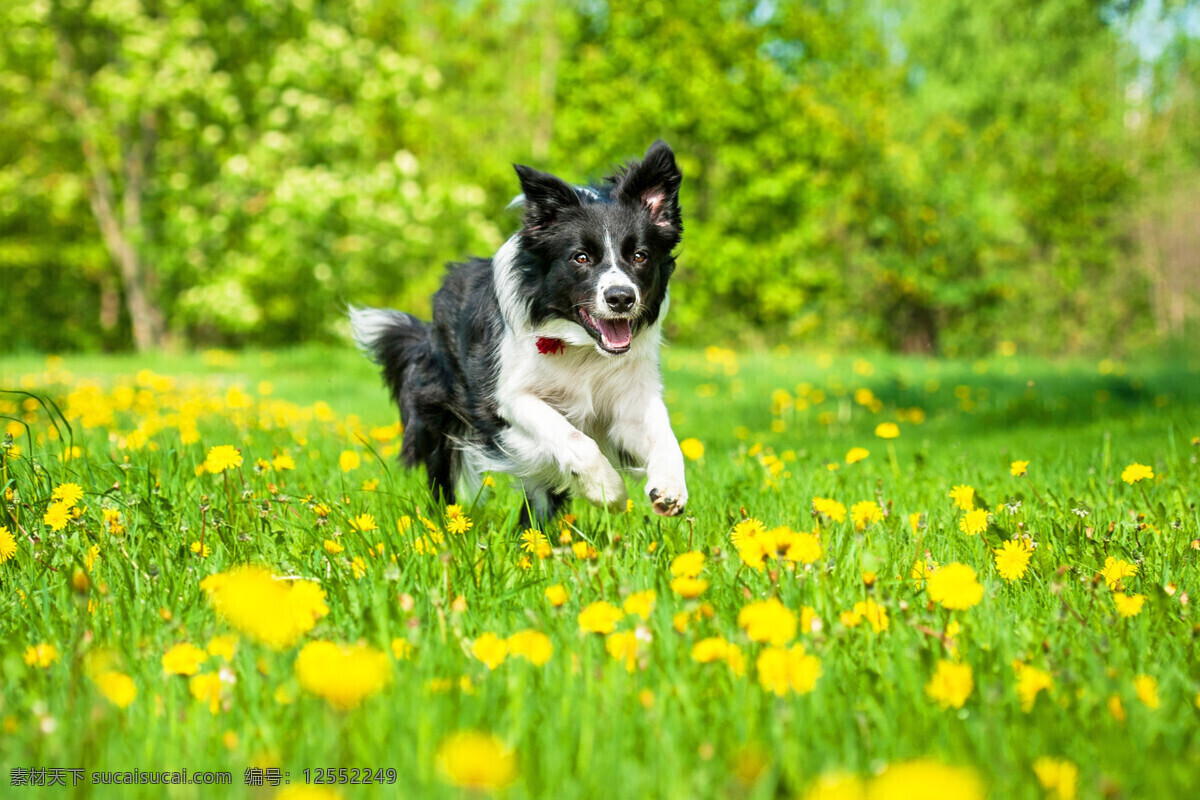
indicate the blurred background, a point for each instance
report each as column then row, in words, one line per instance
column 949, row 177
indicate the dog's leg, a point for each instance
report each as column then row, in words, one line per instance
column 643, row 428
column 541, row 506
column 540, row 437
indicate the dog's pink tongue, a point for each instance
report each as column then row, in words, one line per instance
column 616, row 332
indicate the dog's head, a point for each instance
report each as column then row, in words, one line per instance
column 600, row 257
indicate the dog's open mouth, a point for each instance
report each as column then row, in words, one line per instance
column 614, row 334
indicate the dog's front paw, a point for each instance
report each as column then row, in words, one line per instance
column 669, row 499
column 602, row 486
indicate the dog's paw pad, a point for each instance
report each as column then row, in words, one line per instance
column 667, row 503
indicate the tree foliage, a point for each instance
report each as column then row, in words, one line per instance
column 909, row 175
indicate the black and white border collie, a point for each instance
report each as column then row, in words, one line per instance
column 543, row 361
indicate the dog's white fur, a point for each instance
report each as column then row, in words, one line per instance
column 570, row 413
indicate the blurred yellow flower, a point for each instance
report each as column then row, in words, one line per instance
column 600, row 617
column 829, row 508
column 887, row 430
column 693, row 449
column 640, row 603
column 8, row 544
column 117, row 687
column 41, row 655
column 1030, row 681
column 689, row 588
column 1018, row 468
column 534, row 646
column 1057, row 776
column 206, row 688
column 556, row 594
column 782, row 670
column 364, row 523
column 687, row 565
column 490, row 649
column 926, row 778
column 1128, row 605
column 349, row 460
column 68, row 494
column 1146, row 688
column 951, row 684
column 856, row 454
column 57, row 516
column 768, row 621
column 183, row 659
column 474, row 760
column 955, row 587
column 1136, row 472
column 623, row 647
column 342, row 674
column 273, row 611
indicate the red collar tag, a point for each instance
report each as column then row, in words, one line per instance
column 547, row 346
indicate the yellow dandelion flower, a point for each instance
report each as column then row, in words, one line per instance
column 221, row 458
column 41, row 655
column 1146, row 688
column 364, row 523
column 117, row 687
column 782, row 670
column 8, row 544
column 687, row 565
column 1136, row 472
column 490, row 649
column 864, row 513
column 600, row 617
column 887, row 430
column 349, row 460
column 640, row 604
column 283, row 462
column 689, row 588
column 333, row 547
column 474, row 760
column 916, row 521
column 1115, row 570
column 273, row 611
column 344, row 675
column 402, row 649
column 1030, row 682
column 57, row 516
column 955, row 587
column 1128, row 605
column 693, row 449
column 223, row 646
column 805, row 548
column 768, row 621
column 556, row 594
column 856, row 454
column 963, row 497
column 873, row 613
column 1012, row 559
column 68, row 494
column 206, row 688
column 1057, row 776
column 974, row 522
column 1018, row 468
column 459, row 525
column 951, row 684
column 1116, row 708
column 534, row 646
column 183, row 659
column 829, row 508
column 623, row 647
column 927, row 778
column 202, row 550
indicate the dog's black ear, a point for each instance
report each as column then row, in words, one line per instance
column 654, row 183
column 545, row 197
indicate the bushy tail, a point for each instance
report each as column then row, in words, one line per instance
column 393, row 340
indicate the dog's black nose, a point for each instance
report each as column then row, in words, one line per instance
column 619, row 298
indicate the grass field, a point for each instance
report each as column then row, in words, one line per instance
column 840, row 614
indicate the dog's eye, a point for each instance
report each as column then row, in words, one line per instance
column 640, row 257
column 580, row 258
